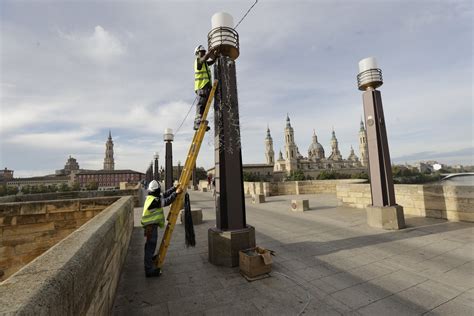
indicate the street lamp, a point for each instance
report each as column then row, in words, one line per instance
column 384, row 212
column 168, row 137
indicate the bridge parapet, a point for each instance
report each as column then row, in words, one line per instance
column 78, row 275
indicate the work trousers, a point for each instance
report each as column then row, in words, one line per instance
column 203, row 94
column 151, row 234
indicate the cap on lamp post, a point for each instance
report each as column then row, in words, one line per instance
column 168, row 135
column 223, row 38
column 156, row 156
column 370, row 76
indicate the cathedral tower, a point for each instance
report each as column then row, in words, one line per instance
column 269, row 153
column 364, row 158
column 335, row 154
column 290, row 147
column 109, row 154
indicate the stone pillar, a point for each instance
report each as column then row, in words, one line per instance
column 168, row 137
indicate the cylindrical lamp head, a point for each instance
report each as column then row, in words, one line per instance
column 156, row 156
column 222, row 38
column 168, row 135
column 370, row 76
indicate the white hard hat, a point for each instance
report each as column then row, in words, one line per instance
column 153, row 186
column 198, row 49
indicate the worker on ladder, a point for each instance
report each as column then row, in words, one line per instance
column 202, row 81
column 153, row 217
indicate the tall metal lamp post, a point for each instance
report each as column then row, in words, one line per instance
column 156, row 172
column 384, row 212
column 168, row 137
column 231, row 233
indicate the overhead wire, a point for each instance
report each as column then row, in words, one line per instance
column 246, row 14
column 243, row 17
column 184, row 120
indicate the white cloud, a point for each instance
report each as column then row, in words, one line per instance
column 101, row 47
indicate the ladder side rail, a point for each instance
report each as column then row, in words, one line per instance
column 184, row 180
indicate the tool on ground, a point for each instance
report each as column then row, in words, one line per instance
column 188, row 223
column 184, row 178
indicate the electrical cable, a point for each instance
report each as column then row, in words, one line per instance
column 189, row 111
column 245, row 14
column 307, row 293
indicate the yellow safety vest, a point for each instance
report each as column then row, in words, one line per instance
column 201, row 77
column 153, row 216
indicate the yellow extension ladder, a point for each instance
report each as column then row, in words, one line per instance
column 184, row 178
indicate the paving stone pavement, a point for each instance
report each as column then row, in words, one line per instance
column 328, row 262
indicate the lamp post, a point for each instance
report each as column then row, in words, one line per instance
column 384, row 212
column 168, row 137
column 231, row 233
column 156, row 173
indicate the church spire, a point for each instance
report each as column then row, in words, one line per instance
column 109, row 163
column 288, row 120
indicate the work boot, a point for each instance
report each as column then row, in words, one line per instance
column 153, row 273
column 197, row 123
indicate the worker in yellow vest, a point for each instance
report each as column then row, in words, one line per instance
column 202, row 81
column 152, row 218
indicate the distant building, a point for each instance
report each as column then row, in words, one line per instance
column 109, row 163
column 37, row 181
column 316, row 160
column 6, row 175
column 71, row 166
column 108, row 179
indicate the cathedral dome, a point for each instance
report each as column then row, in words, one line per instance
column 315, row 150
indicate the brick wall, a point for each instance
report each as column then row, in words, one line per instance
column 77, row 276
column 448, row 202
column 27, row 229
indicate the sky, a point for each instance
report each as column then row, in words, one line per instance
column 70, row 71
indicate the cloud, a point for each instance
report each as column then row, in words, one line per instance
column 128, row 68
column 101, row 47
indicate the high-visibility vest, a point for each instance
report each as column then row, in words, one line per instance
column 153, row 216
column 201, row 77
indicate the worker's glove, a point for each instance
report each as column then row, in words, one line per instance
column 179, row 190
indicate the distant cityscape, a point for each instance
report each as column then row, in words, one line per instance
column 73, row 177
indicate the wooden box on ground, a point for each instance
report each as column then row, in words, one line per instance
column 255, row 261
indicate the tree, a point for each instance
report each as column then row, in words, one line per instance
column 201, row 173
column 12, row 190
column 251, row 177
column 63, row 187
column 76, row 186
column 297, row 175
column 26, row 189
column 92, row 186
column 3, row 190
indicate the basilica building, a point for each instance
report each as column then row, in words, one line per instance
column 317, row 160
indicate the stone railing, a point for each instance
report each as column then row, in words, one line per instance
column 67, row 195
column 449, row 202
column 77, row 276
column 27, row 229
column 295, row 187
